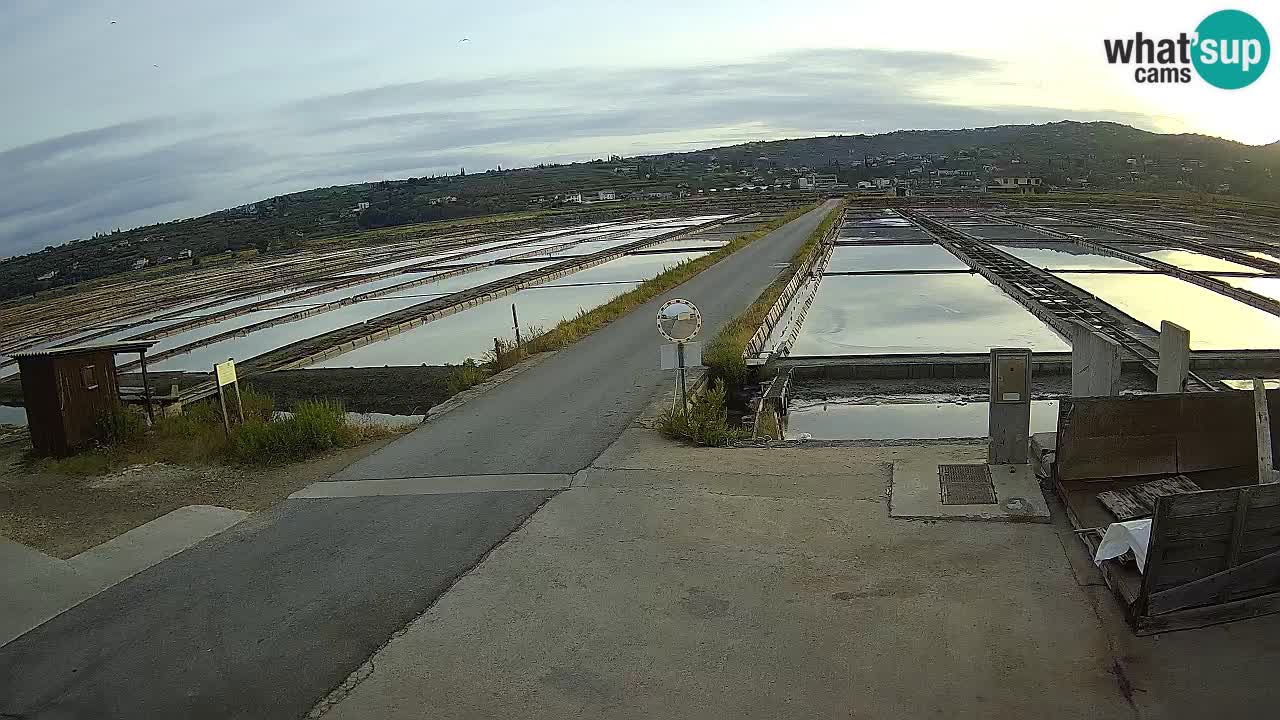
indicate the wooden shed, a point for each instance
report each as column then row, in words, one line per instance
column 68, row 391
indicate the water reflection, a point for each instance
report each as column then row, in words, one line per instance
column 899, row 314
column 1066, row 256
column 893, row 257
column 1216, row 322
column 834, row 420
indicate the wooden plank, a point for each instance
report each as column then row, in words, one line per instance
column 1216, row 430
column 1123, row 504
column 1237, row 528
column 1262, row 426
column 1263, row 572
column 1117, row 437
column 1197, row 549
column 1261, row 540
column 1159, row 536
column 1262, row 518
column 1200, row 526
column 1174, row 574
column 1139, row 500
column 1117, row 456
column 1208, row 615
column 1209, row 502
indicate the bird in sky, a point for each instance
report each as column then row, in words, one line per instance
column 465, row 40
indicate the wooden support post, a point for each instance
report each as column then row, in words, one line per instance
column 1175, row 358
column 146, row 387
column 222, row 400
column 1262, row 424
column 226, row 422
column 684, row 392
column 516, row 322
column 239, row 404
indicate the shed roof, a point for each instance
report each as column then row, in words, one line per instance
column 127, row 346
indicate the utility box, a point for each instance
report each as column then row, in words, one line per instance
column 1010, row 406
column 69, row 392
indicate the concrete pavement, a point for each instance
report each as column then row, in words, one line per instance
column 39, row 587
column 259, row 621
column 263, row 620
column 772, row 583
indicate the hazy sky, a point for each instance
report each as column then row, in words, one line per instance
column 180, row 108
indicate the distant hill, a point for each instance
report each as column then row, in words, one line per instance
column 1066, row 154
column 1096, row 155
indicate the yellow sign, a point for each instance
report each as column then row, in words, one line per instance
column 226, row 372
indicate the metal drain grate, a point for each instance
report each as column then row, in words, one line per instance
column 966, row 485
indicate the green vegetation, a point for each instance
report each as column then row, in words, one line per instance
column 198, row 436
column 723, row 354
column 507, row 353
column 467, row 375
column 569, row 331
column 706, row 423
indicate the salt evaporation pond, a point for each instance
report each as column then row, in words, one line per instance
column 834, row 420
column 1216, row 322
column 470, row 333
column 848, row 258
column 1067, row 256
column 13, row 415
column 277, row 336
column 1188, row 260
column 910, row 314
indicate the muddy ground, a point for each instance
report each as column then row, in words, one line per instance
column 62, row 514
column 395, row 390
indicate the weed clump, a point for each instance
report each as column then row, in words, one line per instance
column 706, row 423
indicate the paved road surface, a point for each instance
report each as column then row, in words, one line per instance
column 263, row 620
column 561, row 415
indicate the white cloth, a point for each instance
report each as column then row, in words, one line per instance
column 1124, row 536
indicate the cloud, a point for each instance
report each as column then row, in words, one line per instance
column 155, row 169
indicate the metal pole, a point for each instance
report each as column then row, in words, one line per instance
column 516, row 322
column 684, row 393
column 146, row 387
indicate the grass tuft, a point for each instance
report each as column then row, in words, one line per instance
column 706, row 423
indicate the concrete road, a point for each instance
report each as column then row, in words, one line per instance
column 561, row 415
column 262, row 621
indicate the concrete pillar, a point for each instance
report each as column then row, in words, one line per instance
column 1175, row 358
column 1009, row 421
column 1095, row 363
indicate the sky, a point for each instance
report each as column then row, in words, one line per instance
column 127, row 113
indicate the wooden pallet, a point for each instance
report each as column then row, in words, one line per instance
column 1139, row 501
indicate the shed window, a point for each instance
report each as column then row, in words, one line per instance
column 88, row 377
